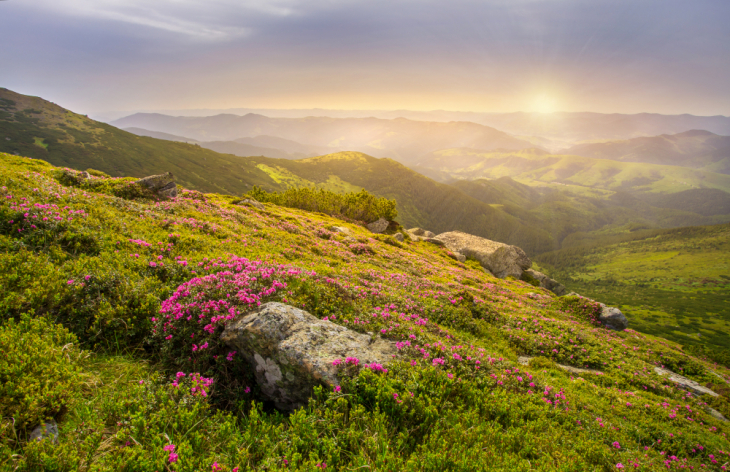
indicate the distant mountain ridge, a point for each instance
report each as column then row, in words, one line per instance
column 400, row 139
column 698, row 149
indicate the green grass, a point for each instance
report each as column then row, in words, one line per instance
column 672, row 283
column 91, row 272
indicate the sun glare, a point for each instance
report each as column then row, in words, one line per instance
column 544, row 104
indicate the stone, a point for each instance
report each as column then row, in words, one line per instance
column 291, row 351
column 460, row 257
column 163, row 184
column 500, row 259
column 612, row 318
column 435, row 241
column 417, row 231
column 341, row 229
column 399, row 237
column 45, row 431
column 684, row 382
column 378, row 226
column 253, row 203
column 546, row 282
column 525, row 360
column 428, row 234
column 716, row 414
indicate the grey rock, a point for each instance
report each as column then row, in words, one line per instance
column 716, row 414
column 547, row 282
column 378, row 226
column 45, row 431
column 612, row 318
column 291, row 351
column 253, row 203
column 417, row 231
column 525, row 360
column 341, row 229
column 500, row 259
column 460, row 257
column 428, row 234
column 399, row 237
column 435, row 241
column 163, row 184
column 685, row 383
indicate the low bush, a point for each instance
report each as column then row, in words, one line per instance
column 39, row 374
column 360, row 206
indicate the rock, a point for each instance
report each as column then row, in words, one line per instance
column 341, row 229
column 435, row 241
column 399, row 237
column 428, row 234
column 253, row 203
column 612, row 318
column 45, row 431
column 460, row 257
column 417, row 231
column 163, row 185
column 500, row 259
column 685, row 383
column 291, row 351
column 546, row 282
column 716, row 414
column 378, row 226
column 525, row 360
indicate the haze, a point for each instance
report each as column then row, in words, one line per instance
column 95, row 56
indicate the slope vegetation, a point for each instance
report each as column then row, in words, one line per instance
column 696, row 149
column 84, row 343
column 673, row 283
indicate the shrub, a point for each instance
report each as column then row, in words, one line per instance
column 360, row 206
column 39, row 372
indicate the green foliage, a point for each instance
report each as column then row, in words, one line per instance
column 40, row 376
column 453, row 399
column 360, row 206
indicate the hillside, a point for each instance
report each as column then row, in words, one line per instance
column 400, row 139
column 696, row 149
column 129, row 396
column 673, row 283
column 539, row 166
column 34, row 127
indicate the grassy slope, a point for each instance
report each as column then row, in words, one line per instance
column 75, row 141
column 455, row 416
column 531, row 166
column 421, row 201
column 672, row 283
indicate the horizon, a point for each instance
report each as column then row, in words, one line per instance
column 669, row 57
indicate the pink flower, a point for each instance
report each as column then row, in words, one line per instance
column 338, row 389
column 169, row 448
column 172, row 458
column 616, row 445
column 619, row 466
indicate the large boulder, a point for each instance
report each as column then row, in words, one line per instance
column 612, row 318
column 292, row 351
column 546, row 282
column 500, row 259
column 378, row 226
column 163, row 185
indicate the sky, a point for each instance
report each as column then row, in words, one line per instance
column 609, row 56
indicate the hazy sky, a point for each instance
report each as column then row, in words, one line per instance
column 628, row 56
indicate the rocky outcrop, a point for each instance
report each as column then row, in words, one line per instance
column 291, row 351
column 546, row 282
column 341, row 229
column 251, row 202
column 612, row 318
column 399, row 237
column 525, row 360
column 47, row 430
column 163, row 185
column 684, row 382
column 420, row 234
column 378, row 226
column 500, row 259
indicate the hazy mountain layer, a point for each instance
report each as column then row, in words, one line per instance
column 400, row 139
column 540, row 166
column 696, row 149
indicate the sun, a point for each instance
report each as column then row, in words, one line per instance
column 544, row 103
